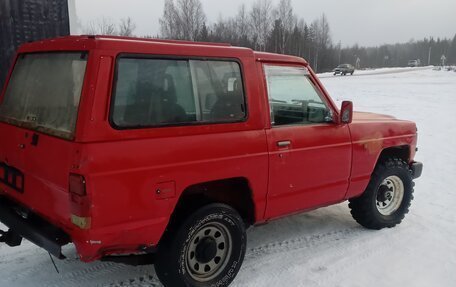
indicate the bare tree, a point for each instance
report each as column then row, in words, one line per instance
column 261, row 22
column 284, row 13
column 169, row 23
column 242, row 23
column 182, row 19
column 103, row 26
column 321, row 37
column 192, row 17
column 126, row 27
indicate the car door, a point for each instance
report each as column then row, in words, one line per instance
column 309, row 152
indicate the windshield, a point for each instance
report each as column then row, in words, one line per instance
column 44, row 91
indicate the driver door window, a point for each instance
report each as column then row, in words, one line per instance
column 293, row 97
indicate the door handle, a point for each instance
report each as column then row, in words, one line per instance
column 283, row 143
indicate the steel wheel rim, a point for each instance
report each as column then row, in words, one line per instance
column 389, row 195
column 203, row 263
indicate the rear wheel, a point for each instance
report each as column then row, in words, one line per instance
column 387, row 198
column 206, row 250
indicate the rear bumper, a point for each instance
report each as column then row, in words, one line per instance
column 23, row 223
column 92, row 244
column 416, row 168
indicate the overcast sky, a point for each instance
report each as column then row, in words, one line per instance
column 366, row 22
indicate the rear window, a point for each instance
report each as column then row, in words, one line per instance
column 157, row 92
column 44, row 91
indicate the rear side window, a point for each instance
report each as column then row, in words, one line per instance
column 156, row 92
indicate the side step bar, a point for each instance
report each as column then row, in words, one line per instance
column 24, row 224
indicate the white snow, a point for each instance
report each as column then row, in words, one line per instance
column 379, row 71
column 326, row 247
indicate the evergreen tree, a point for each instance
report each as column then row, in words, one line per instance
column 452, row 52
column 204, row 34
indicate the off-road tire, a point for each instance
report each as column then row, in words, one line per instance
column 172, row 262
column 364, row 208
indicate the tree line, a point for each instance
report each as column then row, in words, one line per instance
column 278, row 29
column 107, row 26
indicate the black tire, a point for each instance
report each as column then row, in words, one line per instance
column 175, row 254
column 352, row 73
column 368, row 210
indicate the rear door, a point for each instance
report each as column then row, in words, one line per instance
column 309, row 154
column 38, row 114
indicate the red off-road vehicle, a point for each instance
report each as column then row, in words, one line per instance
column 134, row 146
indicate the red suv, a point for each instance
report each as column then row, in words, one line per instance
column 135, row 146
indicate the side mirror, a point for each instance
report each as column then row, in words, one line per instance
column 346, row 112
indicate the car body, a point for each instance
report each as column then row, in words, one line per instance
column 414, row 63
column 106, row 169
column 344, row 69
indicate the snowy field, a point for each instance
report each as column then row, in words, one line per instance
column 326, row 247
column 380, row 71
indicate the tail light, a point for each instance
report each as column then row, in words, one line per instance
column 79, row 201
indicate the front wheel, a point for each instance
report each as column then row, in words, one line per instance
column 206, row 250
column 387, row 198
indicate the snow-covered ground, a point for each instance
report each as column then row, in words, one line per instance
column 326, row 247
column 379, row 71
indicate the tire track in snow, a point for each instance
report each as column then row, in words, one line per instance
column 65, row 279
column 141, row 281
column 301, row 242
column 362, row 250
column 84, row 276
column 258, row 252
column 338, row 252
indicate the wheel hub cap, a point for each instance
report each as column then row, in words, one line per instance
column 389, row 195
column 208, row 252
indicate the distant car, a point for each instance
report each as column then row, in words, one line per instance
column 414, row 63
column 344, row 69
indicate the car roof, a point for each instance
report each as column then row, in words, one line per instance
column 144, row 45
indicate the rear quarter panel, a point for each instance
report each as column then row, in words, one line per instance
column 124, row 168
